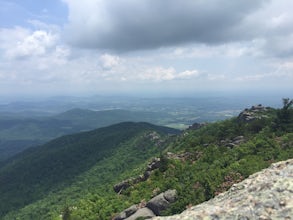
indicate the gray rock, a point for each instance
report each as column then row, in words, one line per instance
column 255, row 112
column 146, row 174
column 196, row 126
column 162, row 201
column 122, row 185
column 265, row 195
column 121, row 216
column 154, row 206
column 231, row 143
column 158, row 204
column 144, row 212
column 155, row 164
column 127, row 212
column 170, row 195
column 131, row 210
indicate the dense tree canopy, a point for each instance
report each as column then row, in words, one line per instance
column 74, row 175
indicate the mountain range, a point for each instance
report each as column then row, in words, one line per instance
column 74, row 176
column 19, row 132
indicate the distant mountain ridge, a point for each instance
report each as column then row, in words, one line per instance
column 32, row 122
column 17, row 133
column 107, row 117
column 74, row 177
column 37, row 171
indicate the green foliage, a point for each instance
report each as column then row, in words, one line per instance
column 17, row 133
column 66, row 213
column 88, row 165
column 71, row 167
column 284, row 120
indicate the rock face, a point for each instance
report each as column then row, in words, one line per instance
column 196, row 126
column 141, row 213
column 154, row 164
column 152, row 208
column 162, row 201
column 183, row 156
column 122, row 185
column 233, row 142
column 127, row 212
column 255, row 112
column 265, row 195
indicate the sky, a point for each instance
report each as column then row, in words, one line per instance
column 156, row 47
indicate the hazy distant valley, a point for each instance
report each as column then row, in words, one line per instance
column 31, row 122
column 99, row 173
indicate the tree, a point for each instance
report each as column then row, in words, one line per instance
column 66, row 213
column 287, row 103
column 285, row 116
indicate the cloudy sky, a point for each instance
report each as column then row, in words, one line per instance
column 55, row 47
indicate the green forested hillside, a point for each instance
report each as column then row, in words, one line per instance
column 37, row 172
column 71, row 177
column 84, row 117
column 18, row 132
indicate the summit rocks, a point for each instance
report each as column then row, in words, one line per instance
column 255, row 112
column 267, row 194
column 152, row 208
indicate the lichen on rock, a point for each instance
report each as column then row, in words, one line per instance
column 267, row 194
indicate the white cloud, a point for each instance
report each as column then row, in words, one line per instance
column 187, row 74
column 10, row 36
column 21, row 42
column 159, row 74
column 109, row 61
column 254, row 50
column 62, row 51
column 272, row 26
column 30, row 57
column 35, row 44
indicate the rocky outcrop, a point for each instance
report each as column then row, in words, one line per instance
column 143, row 213
column 233, row 142
column 162, row 201
column 255, row 112
column 183, row 156
column 265, row 195
column 196, row 126
column 154, row 164
column 122, row 185
column 152, row 208
column 127, row 212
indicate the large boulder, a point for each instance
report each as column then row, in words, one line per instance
column 127, row 212
column 255, row 112
column 155, row 164
column 153, row 207
column 170, row 195
column 162, row 201
column 122, row 185
column 196, row 126
column 143, row 213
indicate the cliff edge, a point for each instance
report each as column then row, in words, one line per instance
column 265, row 195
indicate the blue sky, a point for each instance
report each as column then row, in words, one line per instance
column 57, row 47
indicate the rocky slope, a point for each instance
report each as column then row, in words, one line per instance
column 265, row 195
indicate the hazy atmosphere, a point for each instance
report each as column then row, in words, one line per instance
column 145, row 109
column 57, row 47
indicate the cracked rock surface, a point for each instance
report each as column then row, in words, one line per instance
column 265, row 195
